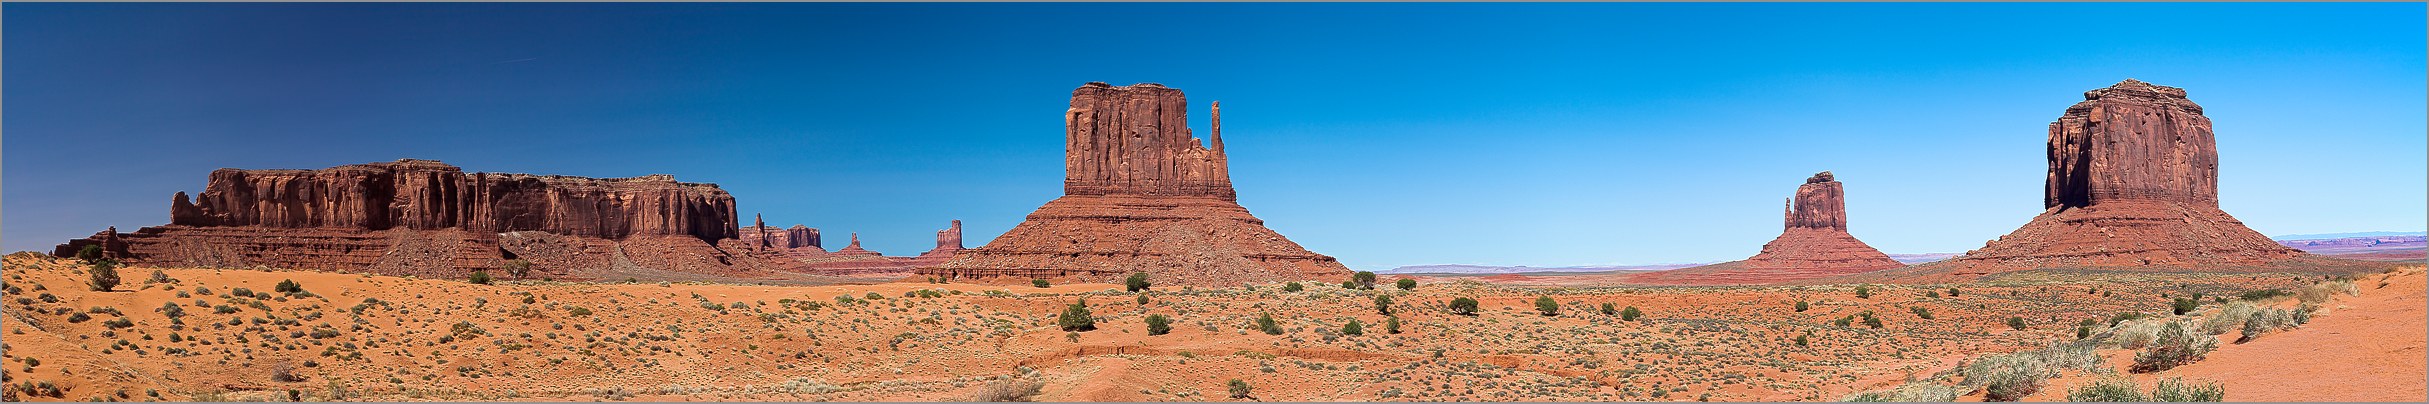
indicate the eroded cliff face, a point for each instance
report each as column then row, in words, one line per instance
column 1141, row 195
column 429, row 195
column 2133, row 183
column 426, row 218
column 1813, row 243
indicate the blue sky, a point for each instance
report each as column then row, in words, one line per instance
column 1382, row 134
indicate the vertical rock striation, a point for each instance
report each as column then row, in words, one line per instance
column 423, row 217
column 1140, row 193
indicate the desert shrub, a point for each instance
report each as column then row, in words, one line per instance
column 284, row 373
column 1870, row 320
column 1406, row 284
column 1142, row 299
column 2174, row 390
column 1546, row 305
column 1040, row 283
column 1804, row 339
column 1266, row 324
column 2173, row 346
column 1935, row 294
column 1801, row 306
column 518, row 268
column 1843, row 321
column 2263, row 294
column 2083, row 331
column 78, row 317
column 1076, row 317
column 2228, row 318
column 1609, row 309
column 117, row 323
column 1353, row 328
column 1463, row 306
column 479, row 278
column 1952, row 292
column 89, row 253
column 288, row 286
column 2180, row 306
column 103, row 276
column 2321, row 293
column 1921, row 312
column 1383, row 304
column 2302, row 315
column 1136, row 282
column 1352, row 285
column 1157, row 324
column 1238, row 389
column 159, row 277
column 2264, row 321
column 1863, row 292
column 1391, row 325
column 2107, row 390
column 2008, row 377
column 1293, row 287
column 1009, row 390
column 1364, row 279
column 2120, row 318
column 1630, row 314
column 1913, row 392
column 172, row 310
column 2016, row 323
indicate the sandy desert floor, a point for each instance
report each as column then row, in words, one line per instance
column 229, row 334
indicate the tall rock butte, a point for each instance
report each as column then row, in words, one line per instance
column 1141, row 194
column 1814, row 244
column 423, row 217
column 2133, row 183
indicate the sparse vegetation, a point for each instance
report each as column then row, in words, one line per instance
column 102, row 275
column 1076, row 317
column 1546, row 305
column 1040, row 283
column 1157, row 324
column 1406, row 284
column 1364, row 279
column 1383, row 304
column 479, row 278
column 2175, row 346
column 517, row 268
column 1238, row 389
column 1267, row 325
column 2016, row 323
column 1293, row 287
column 1463, row 306
column 1631, row 314
column 1136, row 282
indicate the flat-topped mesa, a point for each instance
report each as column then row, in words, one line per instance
column 426, row 218
column 1819, row 204
column 1814, row 244
column 2132, row 141
column 1140, row 195
column 761, row 236
column 429, row 195
column 1135, row 140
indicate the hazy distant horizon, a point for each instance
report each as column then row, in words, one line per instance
column 1385, row 135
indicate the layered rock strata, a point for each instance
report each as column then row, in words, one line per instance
column 1814, row 244
column 1141, row 194
column 854, row 260
column 426, row 218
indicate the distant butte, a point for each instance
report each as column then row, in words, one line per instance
column 1814, row 244
column 1140, row 194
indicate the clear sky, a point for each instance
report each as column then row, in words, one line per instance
column 1382, row 134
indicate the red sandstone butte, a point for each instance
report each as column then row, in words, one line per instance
column 853, row 260
column 1814, row 245
column 2133, row 183
column 1141, row 194
column 423, row 217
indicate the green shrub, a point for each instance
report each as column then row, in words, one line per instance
column 1863, row 292
column 1391, row 325
column 2180, row 306
column 1293, row 287
column 1921, row 312
column 1631, row 314
column 1801, row 306
column 1142, row 299
column 1952, row 292
column 1843, row 321
column 172, row 310
column 1040, row 283
column 517, row 268
column 2174, row 390
column 1353, row 328
column 480, row 277
column 2227, row 318
column 1239, row 389
column 1383, row 304
column 2107, row 390
column 1801, row 339
column 288, row 286
column 2083, row 332
column 90, row 253
column 1406, row 284
column 1463, row 306
column 2263, row 294
column 103, row 276
column 1546, row 305
column 2120, row 318
column 1076, row 317
column 2264, row 321
column 1364, row 279
column 1157, row 324
column 1136, row 282
column 1609, row 309
column 1266, row 324
column 1870, row 320
column 2016, row 323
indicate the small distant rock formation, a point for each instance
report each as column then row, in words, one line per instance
column 427, row 218
column 761, row 236
column 2133, row 183
column 1140, row 193
column 1814, row 244
column 854, row 260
